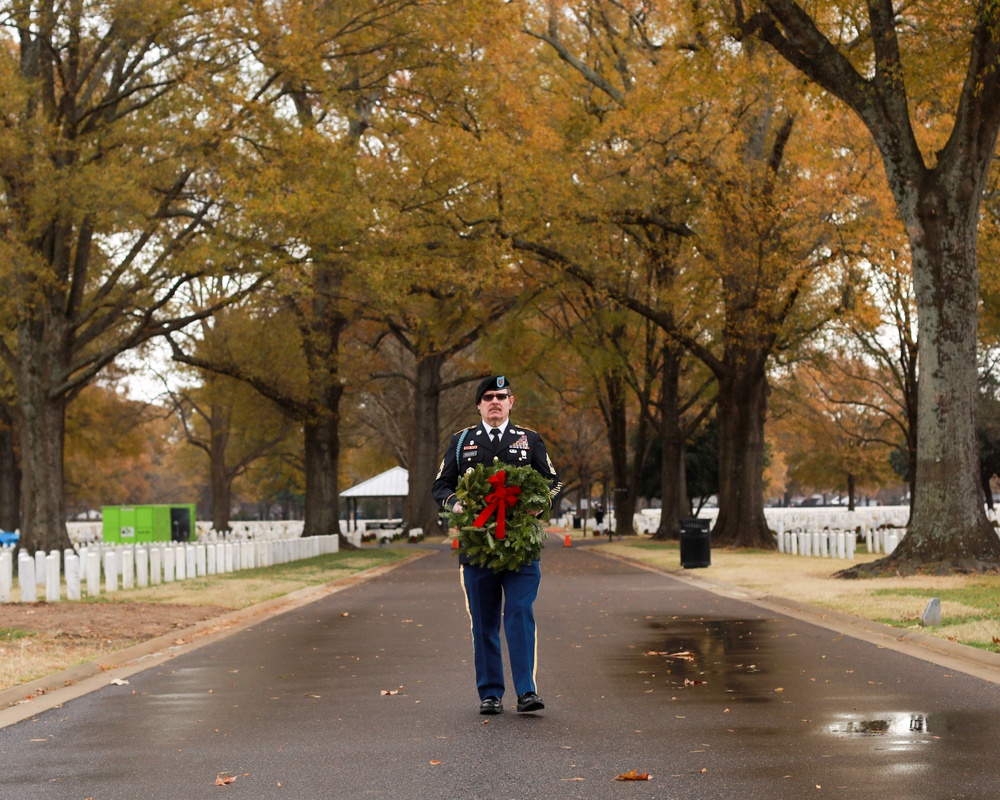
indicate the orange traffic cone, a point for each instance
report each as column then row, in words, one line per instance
column 454, row 544
column 568, row 541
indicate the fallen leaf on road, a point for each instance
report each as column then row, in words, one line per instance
column 119, row 682
column 391, row 691
column 224, row 779
column 435, row 762
column 634, row 775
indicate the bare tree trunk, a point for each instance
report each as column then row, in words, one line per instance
column 220, row 480
column 40, row 423
column 322, row 457
column 616, row 420
column 672, row 492
column 948, row 522
column 326, row 324
column 10, row 476
column 742, row 409
column 425, row 451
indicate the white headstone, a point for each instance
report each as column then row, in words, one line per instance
column 72, row 562
column 26, row 578
column 932, row 614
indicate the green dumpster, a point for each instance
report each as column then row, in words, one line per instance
column 150, row 523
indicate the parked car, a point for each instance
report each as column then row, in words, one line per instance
column 9, row 538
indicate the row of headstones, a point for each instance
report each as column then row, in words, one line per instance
column 838, row 519
column 836, row 544
column 82, row 533
column 138, row 566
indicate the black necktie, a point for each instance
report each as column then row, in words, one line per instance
column 495, row 435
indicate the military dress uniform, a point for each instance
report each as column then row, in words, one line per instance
column 506, row 596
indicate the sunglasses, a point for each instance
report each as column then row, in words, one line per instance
column 490, row 396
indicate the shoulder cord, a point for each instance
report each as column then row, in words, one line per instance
column 458, row 447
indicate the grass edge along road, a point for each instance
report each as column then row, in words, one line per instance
column 69, row 633
column 970, row 604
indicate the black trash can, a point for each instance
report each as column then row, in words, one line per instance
column 696, row 547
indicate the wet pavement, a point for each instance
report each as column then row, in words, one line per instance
column 370, row 693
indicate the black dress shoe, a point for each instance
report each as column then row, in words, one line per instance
column 529, row 701
column 491, row 705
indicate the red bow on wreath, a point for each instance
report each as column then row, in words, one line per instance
column 498, row 500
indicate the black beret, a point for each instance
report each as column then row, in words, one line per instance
column 491, row 384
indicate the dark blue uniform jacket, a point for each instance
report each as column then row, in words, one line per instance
column 471, row 446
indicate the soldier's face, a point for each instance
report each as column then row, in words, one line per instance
column 495, row 407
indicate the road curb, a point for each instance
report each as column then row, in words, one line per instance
column 51, row 691
column 952, row 655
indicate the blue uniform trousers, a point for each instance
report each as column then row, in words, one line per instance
column 507, row 596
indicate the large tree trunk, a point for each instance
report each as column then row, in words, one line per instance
column 220, row 481
column 10, row 476
column 326, row 324
column 40, row 423
column 422, row 511
column 948, row 522
column 672, row 492
column 616, row 421
column 322, row 461
column 742, row 410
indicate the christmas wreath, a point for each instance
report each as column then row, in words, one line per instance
column 497, row 528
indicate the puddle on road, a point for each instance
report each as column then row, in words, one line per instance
column 731, row 662
column 885, row 724
column 904, row 727
column 723, row 658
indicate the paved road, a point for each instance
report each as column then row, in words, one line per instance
column 713, row 696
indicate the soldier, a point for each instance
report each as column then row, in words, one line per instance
column 506, row 596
